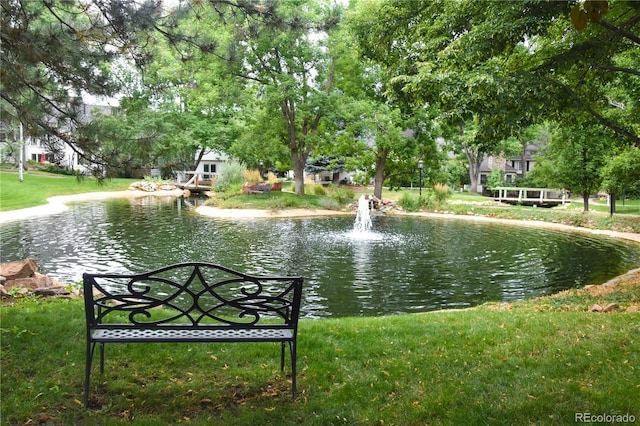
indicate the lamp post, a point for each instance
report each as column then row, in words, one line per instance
column 420, row 166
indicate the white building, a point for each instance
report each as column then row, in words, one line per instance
column 46, row 148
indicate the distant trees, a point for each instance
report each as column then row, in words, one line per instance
column 495, row 68
column 282, row 82
column 55, row 51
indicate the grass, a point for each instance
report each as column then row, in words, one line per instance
column 569, row 216
column 36, row 187
column 533, row 362
column 316, row 197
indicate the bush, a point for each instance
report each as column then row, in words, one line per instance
column 440, row 192
column 51, row 168
column 413, row 203
column 232, row 174
column 272, row 178
column 342, row 195
column 319, row 190
column 252, row 175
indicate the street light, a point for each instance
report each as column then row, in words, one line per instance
column 420, row 166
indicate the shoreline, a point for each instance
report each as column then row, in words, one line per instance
column 58, row 204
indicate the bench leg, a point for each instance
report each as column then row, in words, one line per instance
column 101, row 358
column 292, row 349
column 281, row 356
column 87, row 370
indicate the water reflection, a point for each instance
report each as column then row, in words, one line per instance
column 403, row 265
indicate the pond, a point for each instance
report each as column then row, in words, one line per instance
column 407, row 264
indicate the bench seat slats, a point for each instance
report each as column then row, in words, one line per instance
column 191, row 335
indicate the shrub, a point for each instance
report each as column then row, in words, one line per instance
column 413, row 203
column 272, row 178
column 440, row 192
column 342, row 195
column 329, row 203
column 319, row 190
column 252, row 175
column 231, row 174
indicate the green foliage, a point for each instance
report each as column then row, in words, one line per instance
column 413, row 202
column 231, row 176
column 496, row 179
column 574, row 158
column 51, row 168
column 319, row 190
column 622, row 171
column 329, row 203
column 440, row 193
column 341, row 194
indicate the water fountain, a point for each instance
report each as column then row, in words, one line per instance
column 363, row 217
column 382, row 264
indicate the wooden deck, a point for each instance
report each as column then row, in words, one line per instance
column 540, row 197
column 196, row 184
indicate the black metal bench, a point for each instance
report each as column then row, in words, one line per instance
column 191, row 302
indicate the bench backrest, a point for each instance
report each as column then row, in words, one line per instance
column 192, row 295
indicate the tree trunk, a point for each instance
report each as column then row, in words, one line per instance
column 378, row 179
column 474, row 174
column 612, row 204
column 523, row 160
column 585, row 201
column 200, row 155
column 474, row 158
column 298, row 154
column 298, row 171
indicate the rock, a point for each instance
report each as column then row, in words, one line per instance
column 33, row 282
column 22, row 278
column 633, row 309
column 611, row 307
column 18, row 269
column 596, row 308
column 148, row 186
column 51, row 291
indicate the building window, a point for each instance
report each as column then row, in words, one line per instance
column 209, row 169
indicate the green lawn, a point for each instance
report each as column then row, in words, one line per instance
column 537, row 362
column 36, row 188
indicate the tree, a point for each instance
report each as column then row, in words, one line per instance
column 574, row 159
column 54, row 51
column 621, row 172
column 278, row 48
column 379, row 135
column 504, row 66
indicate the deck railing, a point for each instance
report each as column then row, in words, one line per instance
column 532, row 196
